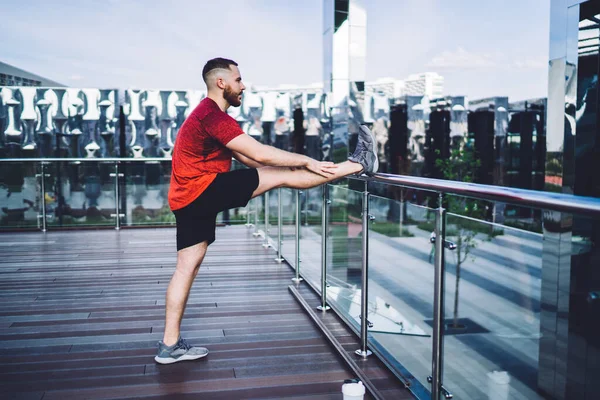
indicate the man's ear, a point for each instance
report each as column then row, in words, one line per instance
column 220, row 83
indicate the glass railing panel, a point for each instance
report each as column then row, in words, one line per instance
column 310, row 234
column 492, row 306
column 20, row 199
column 252, row 209
column 143, row 192
column 80, row 193
column 345, row 251
column 288, row 225
column 272, row 226
column 401, row 274
column 259, row 210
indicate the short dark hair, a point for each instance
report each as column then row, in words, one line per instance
column 216, row 63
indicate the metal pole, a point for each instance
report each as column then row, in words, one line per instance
column 364, row 301
column 279, row 224
column 43, row 176
column 117, row 213
column 438, row 302
column 256, row 200
column 297, row 278
column 266, row 244
column 248, row 212
column 401, row 211
column 324, row 227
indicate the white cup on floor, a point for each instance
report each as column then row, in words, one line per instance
column 353, row 391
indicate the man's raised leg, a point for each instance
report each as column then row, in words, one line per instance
column 364, row 159
column 274, row 177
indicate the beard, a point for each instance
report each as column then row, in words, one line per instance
column 231, row 97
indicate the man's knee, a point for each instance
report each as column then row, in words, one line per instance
column 270, row 178
column 190, row 258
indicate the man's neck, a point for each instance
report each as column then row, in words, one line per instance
column 218, row 98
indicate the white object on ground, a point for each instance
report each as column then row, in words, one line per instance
column 353, row 391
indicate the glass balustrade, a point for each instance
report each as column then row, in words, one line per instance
column 401, row 275
column 311, row 202
column 143, row 192
column 492, row 299
column 20, row 200
column 288, row 225
column 272, row 201
column 495, row 331
column 344, row 255
column 492, row 283
column 91, row 193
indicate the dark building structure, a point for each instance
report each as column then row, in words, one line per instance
column 13, row 76
column 569, row 364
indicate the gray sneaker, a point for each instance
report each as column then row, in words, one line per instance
column 366, row 153
column 180, row 351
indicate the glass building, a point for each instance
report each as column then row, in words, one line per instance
column 523, row 294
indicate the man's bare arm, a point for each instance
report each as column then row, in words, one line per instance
column 268, row 155
column 248, row 162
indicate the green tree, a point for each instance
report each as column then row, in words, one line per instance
column 462, row 165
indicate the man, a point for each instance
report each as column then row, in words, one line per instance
column 202, row 185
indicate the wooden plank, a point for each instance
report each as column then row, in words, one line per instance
column 82, row 320
column 292, row 384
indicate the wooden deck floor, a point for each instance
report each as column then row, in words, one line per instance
column 81, row 312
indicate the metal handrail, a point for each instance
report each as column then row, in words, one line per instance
column 531, row 198
column 581, row 205
column 546, row 200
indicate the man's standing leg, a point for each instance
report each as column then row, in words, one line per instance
column 173, row 348
column 188, row 265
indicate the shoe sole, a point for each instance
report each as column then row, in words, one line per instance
column 162, row 360
column 376, row 166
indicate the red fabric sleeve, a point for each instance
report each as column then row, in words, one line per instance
column 222, row 127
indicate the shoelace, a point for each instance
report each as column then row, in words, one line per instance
column 183, row 344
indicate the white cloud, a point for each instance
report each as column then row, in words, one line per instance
column 461, row 58
column 531, row 63
column 76, row 77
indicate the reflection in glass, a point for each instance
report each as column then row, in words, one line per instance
column 493, row 288
column 20, row 202
column 288, row 247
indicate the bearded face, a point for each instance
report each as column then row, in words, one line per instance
column 233, row 98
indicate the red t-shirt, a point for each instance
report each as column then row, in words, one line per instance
column 200, row 153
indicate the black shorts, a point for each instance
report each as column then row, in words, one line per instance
column 196, row 222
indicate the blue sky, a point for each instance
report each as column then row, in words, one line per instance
column 481, row 48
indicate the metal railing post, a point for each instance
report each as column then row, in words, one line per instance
column 401, row 211
column 117, row 213
column 324, row 228
column 297, row 278
column 43, row 188
column 364, row 300
column 248, row 212
column 279, row 225
column 266, row 244
column 438, row 302
column 256, row 200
